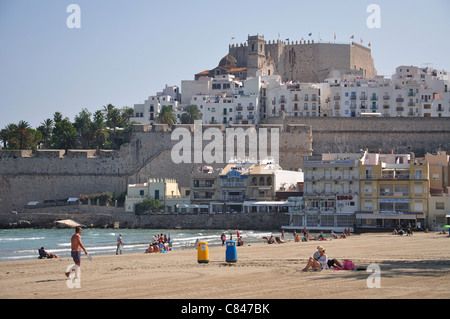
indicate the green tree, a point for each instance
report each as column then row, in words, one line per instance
column 83, row 124
column 64, row 135
column 191, row 113
column 151, row 205
column 57, row 117
column 166, row 116
column 7, row 135
column 46, row 129
column 98, row 131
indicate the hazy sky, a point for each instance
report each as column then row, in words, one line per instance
column 126, row 51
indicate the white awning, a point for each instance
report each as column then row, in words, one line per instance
column 387, row 216
column 267, row 203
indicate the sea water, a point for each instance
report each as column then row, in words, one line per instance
column 19, row 244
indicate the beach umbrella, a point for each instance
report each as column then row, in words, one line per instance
column 446, row 226
column 237, row 233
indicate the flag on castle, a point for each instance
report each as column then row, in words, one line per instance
column 309, row 34
column 335, row 36
column 362, row 41
column 370, row 44
column 352, row 37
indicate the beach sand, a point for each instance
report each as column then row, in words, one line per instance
column 411, row 267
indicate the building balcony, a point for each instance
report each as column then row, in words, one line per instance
column 239, row 108
column 250, row 116
column 386, row 97
column 250, row 107
column 399, row 100
column 368, row 177
column 399, row 108
column 337, row 98
column 233, row 197
column 239, row 117
column 233, row 184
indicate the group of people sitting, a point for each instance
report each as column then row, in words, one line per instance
column 160, row 244
column 401, row 232
column 273, row 240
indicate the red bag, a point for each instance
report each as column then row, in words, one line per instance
column 349, row 265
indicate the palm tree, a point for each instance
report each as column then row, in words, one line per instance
column 57, row 117
column 8, row 136
column 166, row 116
column 127, row 113
column 191, row 113
column 23, row 134
column 46, row 129
column 98, row 130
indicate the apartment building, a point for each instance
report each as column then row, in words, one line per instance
column 330, row 193
column 439, row 199
column 394, row 190
column 147, row 112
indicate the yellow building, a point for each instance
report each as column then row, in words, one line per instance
column 165, row 190
column 394, row 190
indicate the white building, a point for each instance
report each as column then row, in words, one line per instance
column 147, row 112
column 412, row 92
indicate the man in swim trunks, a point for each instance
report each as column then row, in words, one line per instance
column 76, row 246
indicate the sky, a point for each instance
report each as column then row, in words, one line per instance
column 125, row 51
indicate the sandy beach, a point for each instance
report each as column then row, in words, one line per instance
column 411, row 267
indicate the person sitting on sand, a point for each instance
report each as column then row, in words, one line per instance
column 271, row 240
column 334, row 235
column 320, row 263
column 240, row 241
column 149, row 249
column 44, row 254
column 332, row 262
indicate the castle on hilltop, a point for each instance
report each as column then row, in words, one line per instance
column 302, row 61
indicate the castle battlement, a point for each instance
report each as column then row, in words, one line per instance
column 301, row 61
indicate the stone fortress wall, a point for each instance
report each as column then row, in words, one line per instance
column 51, row 174
column 310, row 62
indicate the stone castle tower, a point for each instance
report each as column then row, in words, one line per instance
column 303, row 61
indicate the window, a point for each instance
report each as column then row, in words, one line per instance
column 141, row 192
column 401, row 190
column 368, row 205
column 440, row 205
column 368, row 188
column 386, row 190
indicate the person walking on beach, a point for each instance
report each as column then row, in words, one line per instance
column 224, row 238
column 76, row 247
column 119, row 244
